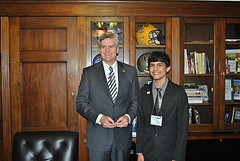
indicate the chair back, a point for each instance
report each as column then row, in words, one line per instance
column 45, row 146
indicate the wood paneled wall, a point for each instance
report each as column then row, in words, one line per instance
column 30, row 53
column 119, row 8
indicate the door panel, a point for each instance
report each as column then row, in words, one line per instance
column 44, row 101
column 43, row 39
column 43, row 59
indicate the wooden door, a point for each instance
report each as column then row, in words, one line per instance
column 44, row 73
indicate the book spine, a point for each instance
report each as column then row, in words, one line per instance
column 208, row 65
column 200, row 63
column 186, row 68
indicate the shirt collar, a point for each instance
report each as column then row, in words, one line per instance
column 106, row 66
column 164, row 86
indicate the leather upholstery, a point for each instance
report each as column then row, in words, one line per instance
column 45, row 146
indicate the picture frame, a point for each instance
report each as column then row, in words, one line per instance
column 229, row 90
column 236, row 86
column 235, row 115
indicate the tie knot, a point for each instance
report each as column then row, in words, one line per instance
column 111, row 68
column 158, row 89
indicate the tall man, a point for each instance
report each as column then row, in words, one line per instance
column 107, row 98
column 162, row 115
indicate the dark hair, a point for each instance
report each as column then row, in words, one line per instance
column 159, row 56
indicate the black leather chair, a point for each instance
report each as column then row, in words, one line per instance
column 45, row 146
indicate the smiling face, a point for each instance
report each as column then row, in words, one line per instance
column 108, row 51
column 158, row 71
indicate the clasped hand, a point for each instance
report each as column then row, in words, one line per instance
column 107, row 122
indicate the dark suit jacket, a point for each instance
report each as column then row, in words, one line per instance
column 168, row 142
column 94, row 98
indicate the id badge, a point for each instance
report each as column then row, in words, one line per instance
column 156, row 120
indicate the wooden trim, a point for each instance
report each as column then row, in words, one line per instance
column 177, row 67
column 120, row 8
column 72, row 70
column 212, row 135
column 132, row 47
column 217, row 65
column 169, row 44
column 82, row 122
column 7, row 139
column 48, row 56
column 15, row 81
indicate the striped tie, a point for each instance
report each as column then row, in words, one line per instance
column 112, row 84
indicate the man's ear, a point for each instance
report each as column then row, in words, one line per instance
column 168, row 69
column 117, row 50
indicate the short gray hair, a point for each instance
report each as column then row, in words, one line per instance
column 106, row 35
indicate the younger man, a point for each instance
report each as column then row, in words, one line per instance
column 162, row 115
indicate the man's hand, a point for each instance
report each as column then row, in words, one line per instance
column 140, row 157
column 122, row 121
column 107, row 122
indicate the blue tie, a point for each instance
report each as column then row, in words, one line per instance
column 112, row 84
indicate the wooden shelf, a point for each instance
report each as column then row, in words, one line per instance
column 201, row 104
column 233, row 43
column 150, row 46
column 211, row 135
column 232, row 103
column 198, row 75
column 198, row 43
column 232, row 75
column 143, row 75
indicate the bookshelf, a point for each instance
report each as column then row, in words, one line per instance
column 230, row 70
column 200, row 37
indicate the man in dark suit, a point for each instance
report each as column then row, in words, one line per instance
column 162, row 115
column 107, row 98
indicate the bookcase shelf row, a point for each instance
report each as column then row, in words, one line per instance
column 198, row 75
column 198, row 43
column 148, row 46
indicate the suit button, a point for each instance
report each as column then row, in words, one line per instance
column 156, row 134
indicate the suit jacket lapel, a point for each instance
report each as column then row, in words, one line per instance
column 102, row 78
column 121, row 76
column 167, row 95
column 149, row 96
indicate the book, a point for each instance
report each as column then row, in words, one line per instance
column 193, row 63
column 200, row 63
column 228, row 90
column 186, row 67
column 238, row 65
column 204, row 63
column 232, row 66
column 196, row 62
column 235, row 115
column 208, row 65
column 232, row 40
column 228, row 116
column 236, row 86
column 232, row 61
column 194, row 117
column 196, row 93
column 228, row 51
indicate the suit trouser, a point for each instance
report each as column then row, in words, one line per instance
column 112, row 155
